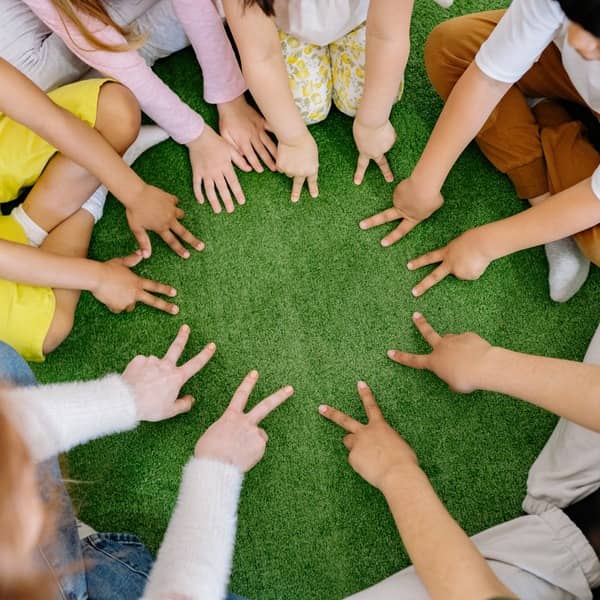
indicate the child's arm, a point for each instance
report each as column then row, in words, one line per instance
column 148, row 208
column 449, row 564
column 388, row 47
column 223, row 83
column 211, row 157
column 112, row 283
column 467, row 363
column 468, row 256
column 266, row 75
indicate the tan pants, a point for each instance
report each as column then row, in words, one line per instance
column 541, row 149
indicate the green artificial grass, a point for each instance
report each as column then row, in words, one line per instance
column 304, row 296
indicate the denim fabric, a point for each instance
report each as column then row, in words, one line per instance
column 117, row 565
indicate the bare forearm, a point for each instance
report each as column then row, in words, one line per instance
column 31, row 266
column 566, row 388
column 447, row 561
column 563, row 214
column 471, row 102
column 388, row 47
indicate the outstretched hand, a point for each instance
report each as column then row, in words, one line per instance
column 463, row 257
column 156, row 382
column 236, row 437
column 459, row 360
column 155, row 210
column 120, row 289
column 373, row 143
column 377, row 452
column 411, row 205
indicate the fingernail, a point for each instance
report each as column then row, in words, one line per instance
column 391, row 353
column 362, row 225
column 175, row 310
column 417, row 315
column 254, row 373
column 289, row 389
column 409, row 266
column 186, row 255
column 362, row 385
column 200, row 247
column 414, row 292
column 173, row 292
column 385, row 243
column 323, row 408
column 185, row 327
column 212, row 346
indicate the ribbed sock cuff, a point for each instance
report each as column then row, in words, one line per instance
column 35, row 234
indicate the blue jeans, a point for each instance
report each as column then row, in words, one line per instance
column 103, row 566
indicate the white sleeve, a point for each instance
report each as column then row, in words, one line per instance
column 194, row 560
column 55, row 418
column 522, row 34
column 596, row 182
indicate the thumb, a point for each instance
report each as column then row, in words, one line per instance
column 143, row 241
column 183, row 405
column 132, row 260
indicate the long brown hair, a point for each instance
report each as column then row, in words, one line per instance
column 20, row 579
column 94, row 8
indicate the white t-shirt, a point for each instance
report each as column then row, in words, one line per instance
column 320, row 22
column 520, row 38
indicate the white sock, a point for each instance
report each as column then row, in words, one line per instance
column 149, row 135
column 95, row 203
column 34, row 233
column 569, row 269
column 445, row 3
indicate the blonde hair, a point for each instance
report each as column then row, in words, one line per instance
column 69, row 9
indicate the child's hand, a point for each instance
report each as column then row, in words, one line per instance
column 411, row 204
column 211, row 157
column 301, row 162
column 377, row 452
column 236, row 438
column 155, row 210
column 459, row 360
column 464, row 257
column 120, row 289
column 373, row 143
column 246, row 131
column 156, row 382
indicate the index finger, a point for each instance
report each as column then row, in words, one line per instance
column 434, row 277
column 368, row 399
column 297, row 188
column 192, row 366
column 241, row 395
column 268, row 405
column 431, row 336
column 361, row 169
column 178, row 345
column 313, row 186
column 159, row 288
column 174, row 243
column 339, row 418
column 157, row 303
column 390, row 214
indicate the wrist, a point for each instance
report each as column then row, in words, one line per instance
column 491, row 369
column 490, row 240
column 95, row 272
column 232, row 105
column 400, row 478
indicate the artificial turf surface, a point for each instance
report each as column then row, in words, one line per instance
column 304, row 296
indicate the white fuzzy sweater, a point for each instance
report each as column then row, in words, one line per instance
column 194, row 560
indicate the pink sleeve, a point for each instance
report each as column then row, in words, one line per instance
column 223, row 80
column 156, row 99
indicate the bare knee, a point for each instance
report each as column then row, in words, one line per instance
column 60, row 329
column 119, row 117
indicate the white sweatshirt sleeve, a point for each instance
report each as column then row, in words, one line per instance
column 55, row 418
column 194, row 560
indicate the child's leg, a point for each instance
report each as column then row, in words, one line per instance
column 309, row 73
column 118, row 120
column 70, row 238
column 348, row 69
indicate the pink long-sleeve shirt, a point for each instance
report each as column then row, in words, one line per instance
column 223, row 79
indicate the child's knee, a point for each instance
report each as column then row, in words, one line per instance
column 119, row 116
column 60, row 329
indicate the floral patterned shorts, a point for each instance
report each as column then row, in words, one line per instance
column 320, row 74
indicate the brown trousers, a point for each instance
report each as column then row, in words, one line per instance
column 541, row 149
